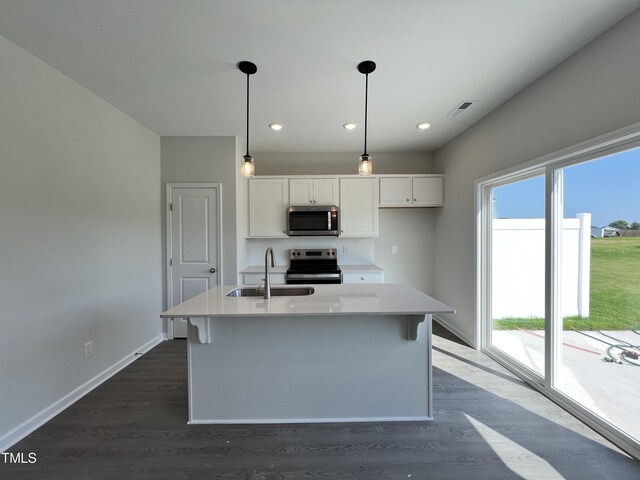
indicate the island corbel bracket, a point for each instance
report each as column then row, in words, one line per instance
column 413, row 325
column 203, row 327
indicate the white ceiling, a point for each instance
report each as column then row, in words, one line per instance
column 171, row 64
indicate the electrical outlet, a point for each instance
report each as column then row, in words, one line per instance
column 394, row 249
column 88, row 349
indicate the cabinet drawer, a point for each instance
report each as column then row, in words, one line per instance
column 377, row 277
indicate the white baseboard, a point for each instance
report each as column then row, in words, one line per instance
column 242, row 421
column 456, row 331
column 25, row 428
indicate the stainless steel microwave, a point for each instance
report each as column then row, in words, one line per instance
column 319, row 220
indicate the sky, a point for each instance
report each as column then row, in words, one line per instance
column 608, row 188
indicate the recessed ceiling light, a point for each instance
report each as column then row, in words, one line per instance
column 423, row 126
column 349, row 126
column 275, row 126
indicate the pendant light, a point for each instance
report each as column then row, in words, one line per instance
column 365, row 167
column 248, row 167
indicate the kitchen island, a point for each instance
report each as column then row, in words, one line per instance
column 343, row 353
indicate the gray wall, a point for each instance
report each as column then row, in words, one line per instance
column 204, row 159
column 412, row 230
column 595, row 91
column 80, row 236
column 340, row 163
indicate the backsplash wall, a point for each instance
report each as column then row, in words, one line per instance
column 351, row 251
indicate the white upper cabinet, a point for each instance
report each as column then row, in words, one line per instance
column 428, row 191
column 412, row 191
column 301, row 192
column 359, row 207
column 268, row 202
column 357, row 197
column 326, row 191
column 313, row 191
column 395, row 191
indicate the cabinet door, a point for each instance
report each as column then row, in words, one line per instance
column 313, row 191
column 395, row 191
column 301, row 191
column 326, row 191
column 428, row 191
column 359, row 207
column 268, row 200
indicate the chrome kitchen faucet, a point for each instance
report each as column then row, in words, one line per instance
column 267, row 282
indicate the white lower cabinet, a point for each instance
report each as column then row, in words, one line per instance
column 363, row 277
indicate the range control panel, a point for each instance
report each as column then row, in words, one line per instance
column 313, row 254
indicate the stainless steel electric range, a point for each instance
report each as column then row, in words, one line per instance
column 318, row 265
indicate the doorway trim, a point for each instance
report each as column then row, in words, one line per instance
column 168, row 236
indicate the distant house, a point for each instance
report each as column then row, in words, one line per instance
column 608, row 231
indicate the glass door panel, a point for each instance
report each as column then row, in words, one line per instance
column 598, row 363
column 517, row 271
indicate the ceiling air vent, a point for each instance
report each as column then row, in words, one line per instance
column 459, row 109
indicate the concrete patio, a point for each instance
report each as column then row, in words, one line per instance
column 609, row 389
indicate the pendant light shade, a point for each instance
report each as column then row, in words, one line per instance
column 248, row 166
column 366, row 167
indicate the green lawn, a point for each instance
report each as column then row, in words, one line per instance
column 615, row 290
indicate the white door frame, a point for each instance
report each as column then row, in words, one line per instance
column 169, row 249
column 623, row 139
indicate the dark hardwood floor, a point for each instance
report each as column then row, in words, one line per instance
column 488, row 425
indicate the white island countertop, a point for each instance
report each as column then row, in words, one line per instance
column 347, row 352
column 342, row 299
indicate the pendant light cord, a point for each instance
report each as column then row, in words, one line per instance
column 247, row 115
column 366, row 96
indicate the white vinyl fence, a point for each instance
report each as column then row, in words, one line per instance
column 517, row 270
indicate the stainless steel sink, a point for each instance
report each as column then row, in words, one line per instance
column 275, row 292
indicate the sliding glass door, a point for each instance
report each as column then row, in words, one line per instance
column 559, row 282
column 517, row 234
column 598, row 350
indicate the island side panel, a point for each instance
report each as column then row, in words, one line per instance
column 309, row 369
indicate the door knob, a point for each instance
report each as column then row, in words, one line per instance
column 212, row 270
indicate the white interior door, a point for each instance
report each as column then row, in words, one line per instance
column 193, row 244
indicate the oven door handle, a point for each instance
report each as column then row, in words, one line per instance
column 313, row 275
